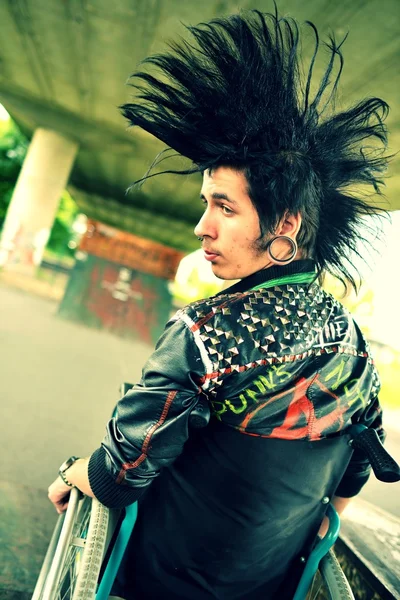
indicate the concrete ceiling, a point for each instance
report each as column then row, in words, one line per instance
column 64, row 65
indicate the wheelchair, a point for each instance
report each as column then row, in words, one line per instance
column 89, row 540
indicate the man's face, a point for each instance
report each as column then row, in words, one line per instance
column 229, row 226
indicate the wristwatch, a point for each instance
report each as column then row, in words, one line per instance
column 64, row 467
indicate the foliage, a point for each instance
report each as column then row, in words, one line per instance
column 61, row 232
column 386, row 358
column 13, row 148
column 387, row 361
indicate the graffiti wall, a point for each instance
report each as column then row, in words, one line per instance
column 120, row 283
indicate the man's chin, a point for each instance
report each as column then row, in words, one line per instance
column 221, row 275
column 217, row 271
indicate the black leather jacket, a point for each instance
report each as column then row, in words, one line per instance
column 285, row 371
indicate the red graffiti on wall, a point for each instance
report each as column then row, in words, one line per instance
column 122, row 304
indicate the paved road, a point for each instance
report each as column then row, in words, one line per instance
column 59, row 382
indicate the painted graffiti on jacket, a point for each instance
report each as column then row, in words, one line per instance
column 309, row 409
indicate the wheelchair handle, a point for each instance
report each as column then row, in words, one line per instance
column 384, row 466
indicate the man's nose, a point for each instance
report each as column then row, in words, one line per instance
column 205, row 227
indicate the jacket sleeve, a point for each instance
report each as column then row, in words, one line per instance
column 359, row 468
column 151, row 423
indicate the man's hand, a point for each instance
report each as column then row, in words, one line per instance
column 59, row 495
column 77, row 474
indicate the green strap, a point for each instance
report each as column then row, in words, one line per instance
column 296, row 278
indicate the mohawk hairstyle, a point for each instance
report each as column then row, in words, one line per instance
column 237, row 96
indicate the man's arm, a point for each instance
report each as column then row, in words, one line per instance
column 359, row 468
column 149, row 430
column 339, row 504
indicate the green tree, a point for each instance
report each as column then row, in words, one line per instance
column 13, row 149
column 61, row 232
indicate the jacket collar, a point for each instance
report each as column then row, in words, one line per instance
column 298, row 271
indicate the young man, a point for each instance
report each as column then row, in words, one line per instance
column 227, row 511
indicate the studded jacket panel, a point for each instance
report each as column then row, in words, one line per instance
column 285, row 362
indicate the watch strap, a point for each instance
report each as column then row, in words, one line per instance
column 64, row 467
column 65, row 480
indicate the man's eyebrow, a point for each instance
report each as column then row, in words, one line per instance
column 219, row 196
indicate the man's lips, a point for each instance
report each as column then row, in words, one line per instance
column 210, row 255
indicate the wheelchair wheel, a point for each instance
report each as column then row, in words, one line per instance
column 330, row 582
column 71, row 567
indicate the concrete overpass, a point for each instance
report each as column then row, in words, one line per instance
column 63, row 68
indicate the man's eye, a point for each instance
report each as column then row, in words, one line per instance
column 226, row 210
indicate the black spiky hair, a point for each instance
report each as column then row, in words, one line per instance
column 236, row 96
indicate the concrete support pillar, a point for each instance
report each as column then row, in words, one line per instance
column 34, row 203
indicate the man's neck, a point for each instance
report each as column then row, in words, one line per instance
column 298, row 271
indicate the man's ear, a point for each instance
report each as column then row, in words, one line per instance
column 289, row 225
